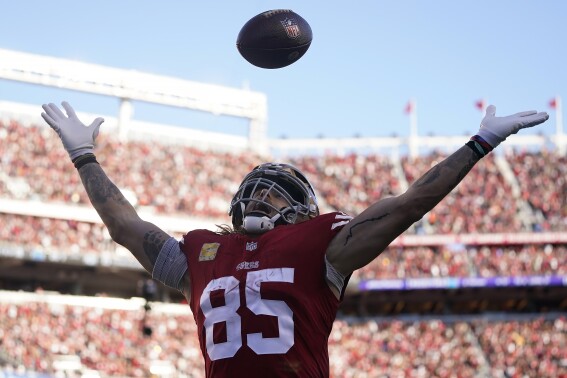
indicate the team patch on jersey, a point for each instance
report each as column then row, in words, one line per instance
column 209, row 251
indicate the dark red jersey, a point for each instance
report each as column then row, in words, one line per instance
column 262, row 305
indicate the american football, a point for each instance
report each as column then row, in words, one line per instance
column 274, row 39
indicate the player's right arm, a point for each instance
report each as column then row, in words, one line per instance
column 143, row 239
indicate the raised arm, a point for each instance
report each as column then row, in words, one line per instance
column 368, row 234
column 126, row 228
column 144, row 239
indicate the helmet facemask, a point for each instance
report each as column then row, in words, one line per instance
column 280, row 181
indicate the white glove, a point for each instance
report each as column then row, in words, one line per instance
column 77, row 138
column 494, row 130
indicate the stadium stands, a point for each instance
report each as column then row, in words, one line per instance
column 41, row 329
column 542, row 178
column 517, row 237
column 200, row 183
column 55, row 239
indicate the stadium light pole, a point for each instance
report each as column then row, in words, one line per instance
column 411, row 111
column 555, row 104
column 124, row 118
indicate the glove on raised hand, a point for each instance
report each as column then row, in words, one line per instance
column 77, row 138
column 494, row 130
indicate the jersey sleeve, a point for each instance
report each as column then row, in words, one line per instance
column 336, row 279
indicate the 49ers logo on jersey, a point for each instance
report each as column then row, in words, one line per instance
column 209, row 251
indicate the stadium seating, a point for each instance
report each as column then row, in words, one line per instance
column 41, row 236
column 192, row 182
column 42, row 333
column 542, row 178
column 39, row 329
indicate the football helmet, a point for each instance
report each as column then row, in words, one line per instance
column 268, row 180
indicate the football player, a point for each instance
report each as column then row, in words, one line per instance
column 265, row 292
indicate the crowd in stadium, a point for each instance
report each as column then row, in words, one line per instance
column 112, row 342
column 543, row 180
column 186, row 181
column 60, row 236
column 194, row 182
column 483, row 203
column 191, row 181
column 72, row 238
column 496, row 261
column 442, row 349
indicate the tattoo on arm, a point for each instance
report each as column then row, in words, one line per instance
column 429, row 177
column 99, row 187
column 465, row 170
column 153, row 242
column 451, row 164
column 350, row 235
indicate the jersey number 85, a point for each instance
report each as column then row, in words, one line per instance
column 254, row 302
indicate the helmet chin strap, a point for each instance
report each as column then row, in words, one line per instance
column 255, row 224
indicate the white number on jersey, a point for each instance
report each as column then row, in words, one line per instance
column 258, row 305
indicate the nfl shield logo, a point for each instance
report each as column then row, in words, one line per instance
column 291, row 28
column 251, row 246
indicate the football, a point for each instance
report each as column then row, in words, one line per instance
column 274, row 39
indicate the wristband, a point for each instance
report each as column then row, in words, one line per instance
column 479, row 146
column 84, row 159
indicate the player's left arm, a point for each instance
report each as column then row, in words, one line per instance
column 367, row 235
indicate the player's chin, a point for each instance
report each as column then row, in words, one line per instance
column 258, row 213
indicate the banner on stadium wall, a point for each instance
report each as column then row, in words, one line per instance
column 461, row 282
column 481, row 239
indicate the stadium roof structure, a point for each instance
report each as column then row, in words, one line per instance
column 128, row 85
column 131, row 85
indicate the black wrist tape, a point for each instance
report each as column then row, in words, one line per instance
column 84, row 159
column 480, row 147
column 476, row 148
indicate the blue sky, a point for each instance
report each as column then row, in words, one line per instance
column 367, row 59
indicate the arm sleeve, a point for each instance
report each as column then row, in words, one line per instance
column 171, row 265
